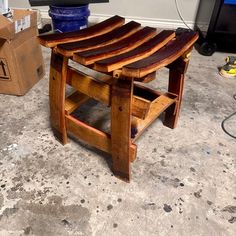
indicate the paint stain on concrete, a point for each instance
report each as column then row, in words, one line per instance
column 1, row 200
column 109, row 207
column 21, row 194
column 232, row 220
column 119, row 200
column 174, row 182
column 154, row 150
column 167, row 208
column 163, row 163
column 149, row 206
column 8, row 212
column 27, row 230
column 209, row 202
column 230, row 209
column 48, row 219
column 198, row 193
column 82, row 201
column 55, row 200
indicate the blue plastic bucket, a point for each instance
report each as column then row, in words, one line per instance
column 69, row 18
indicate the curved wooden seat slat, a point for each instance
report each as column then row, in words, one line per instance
column 143, row 51
column 68, row 49
column 125, row 45
column 52, row 40
column 161, row 58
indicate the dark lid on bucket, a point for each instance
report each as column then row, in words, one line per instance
column 63, row 2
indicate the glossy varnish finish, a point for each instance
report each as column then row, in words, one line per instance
column 68, row 49
column 125, row 53
column 125, row 45
column 51, row 40
column 139, row 53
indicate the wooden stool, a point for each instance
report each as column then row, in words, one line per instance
column 125, row 53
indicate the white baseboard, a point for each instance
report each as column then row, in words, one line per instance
column 153, row 22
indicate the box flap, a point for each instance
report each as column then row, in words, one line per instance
column 7, row 30
column 22, row 20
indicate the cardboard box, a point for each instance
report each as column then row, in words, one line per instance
column 21, row 61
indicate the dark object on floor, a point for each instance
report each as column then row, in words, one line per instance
column 229, row 69
column 221, row 32
column 205, row 46
column 181, row 30
column 46, row 28
column 63, row 2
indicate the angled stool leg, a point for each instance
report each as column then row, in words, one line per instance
column 121, row 100
column 57, row 84
column 176, row 85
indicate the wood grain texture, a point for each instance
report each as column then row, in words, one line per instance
column 88, row 134
column 143, row 51
column 57, row 83
column 52, row 40
column 162, row 57
column 68, row 49
column 93, row 136
column 87, row 85
column 74, row 101
column 176, row 86
column 140, row 107
column 157, row 106
column 125, row 45
column 122, row 91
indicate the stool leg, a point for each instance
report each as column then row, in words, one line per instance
column 121, row 100
column 57, row 84
column 176, row 84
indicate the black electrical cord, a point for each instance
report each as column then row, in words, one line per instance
column 180, row 15
column 227, row 118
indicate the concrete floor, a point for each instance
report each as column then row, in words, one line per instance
column 183, row 181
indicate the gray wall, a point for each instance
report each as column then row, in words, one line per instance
column 164, row 9
column 161, row 9
column 148, row 9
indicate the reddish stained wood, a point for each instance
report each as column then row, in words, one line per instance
column 162, row 57
column 157, row 106
column 127, row 44
column 122, row 91
column 122, row 94
column 57, row 83
column 93, row 136
column 176, row 86
column 68, row 49
column 51, row 40
column 74, row 101
column 143, row 51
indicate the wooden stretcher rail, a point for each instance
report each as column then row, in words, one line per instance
column 93, row 136
column 143, row 51
column 125, row 45
column 68, row 49
column 161, row 58
column 74, row 101
column 52, row 40
column 87, row 88
column 87, row 85
column 157, row 106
